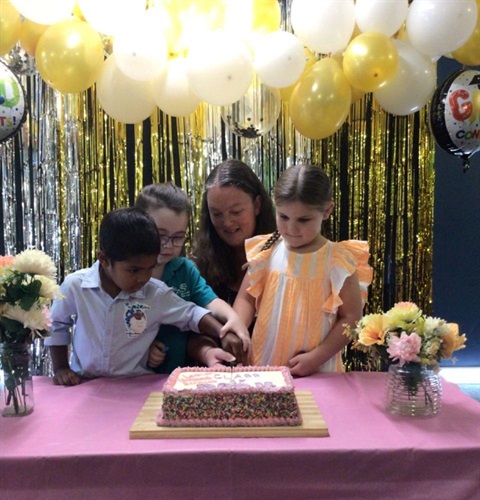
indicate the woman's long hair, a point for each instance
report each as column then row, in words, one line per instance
column 212, row 255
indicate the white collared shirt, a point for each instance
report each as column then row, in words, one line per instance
column 112, row 336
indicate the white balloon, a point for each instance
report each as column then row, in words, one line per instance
column 45, row 11
column 141, row 51
column 437, row 27
column 412, row 85
column 172, row 92
column 382, row 16
column 324, row 26
column 110, row 16
column 279, row 59
column 122, row 98
column 219, row 68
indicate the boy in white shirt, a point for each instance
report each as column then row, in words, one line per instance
column 115, row 308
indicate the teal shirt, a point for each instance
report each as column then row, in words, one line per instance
column 183, row 276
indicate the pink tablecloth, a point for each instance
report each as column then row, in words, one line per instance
column 76, row 445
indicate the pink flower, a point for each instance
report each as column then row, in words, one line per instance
column 405, row 348
column 6, row 260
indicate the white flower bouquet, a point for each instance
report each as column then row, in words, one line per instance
column 27, row 287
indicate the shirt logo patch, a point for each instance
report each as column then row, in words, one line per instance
column 135, row 318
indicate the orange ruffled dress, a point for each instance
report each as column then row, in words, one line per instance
column 297, row 296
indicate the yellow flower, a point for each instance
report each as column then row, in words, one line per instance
column 373, row 328
column 35, row 262
column 404, row 312
column 452, row 341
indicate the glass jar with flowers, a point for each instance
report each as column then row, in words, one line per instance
column 27, row 287
column 413, row 344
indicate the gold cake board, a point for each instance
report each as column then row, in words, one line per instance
column 145, row 426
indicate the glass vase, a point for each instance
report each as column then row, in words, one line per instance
column 16, row 383
column 414, row 390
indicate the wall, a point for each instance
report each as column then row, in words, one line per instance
column 456, row 244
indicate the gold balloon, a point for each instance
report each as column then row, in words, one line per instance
column 357, row 94
column 10, row 24
column 69, row 56
column 469, row 53
column 320, row 102
column 266, row 15
column 310, row 60
column 370, row 61
column 30, row 33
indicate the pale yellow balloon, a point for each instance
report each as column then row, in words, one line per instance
column 30, row 33
column 266, row 16
column 69, row 56
column 188, row 19
column 469, row 53
column 370, row 61
column 310, row 60
column 10, row 24
column 321, row 101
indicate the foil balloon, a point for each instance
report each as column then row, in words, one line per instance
column 12, row 103
column 455, row 114
column 255, row 113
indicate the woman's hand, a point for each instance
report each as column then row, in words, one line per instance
column 214, row 356
column 156, row 354
column 236, row 326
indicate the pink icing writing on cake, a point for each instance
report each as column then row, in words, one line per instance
column 242, row 396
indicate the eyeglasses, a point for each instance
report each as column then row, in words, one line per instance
column 177, row 241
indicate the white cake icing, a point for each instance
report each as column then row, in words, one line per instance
column 254, row 379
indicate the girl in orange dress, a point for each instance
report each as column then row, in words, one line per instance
column 301, row 287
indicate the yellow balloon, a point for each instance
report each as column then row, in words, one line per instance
column 320, row 102
column 30, row 33
column 69, row 56
column 266, row 16
column 310, row 60
column 370, row 61
column 469, row 53
column 10, row 24
column 189, row 17
column 357, row 94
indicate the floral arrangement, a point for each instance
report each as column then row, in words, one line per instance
column 27, row 287
column 405, row 335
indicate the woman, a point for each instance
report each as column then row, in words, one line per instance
column 235, row 207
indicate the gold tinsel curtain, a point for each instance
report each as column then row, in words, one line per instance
column 71, row 163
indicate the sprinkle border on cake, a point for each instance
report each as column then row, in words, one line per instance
column 230, row 406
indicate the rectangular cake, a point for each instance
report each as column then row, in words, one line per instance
column 229, row 397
